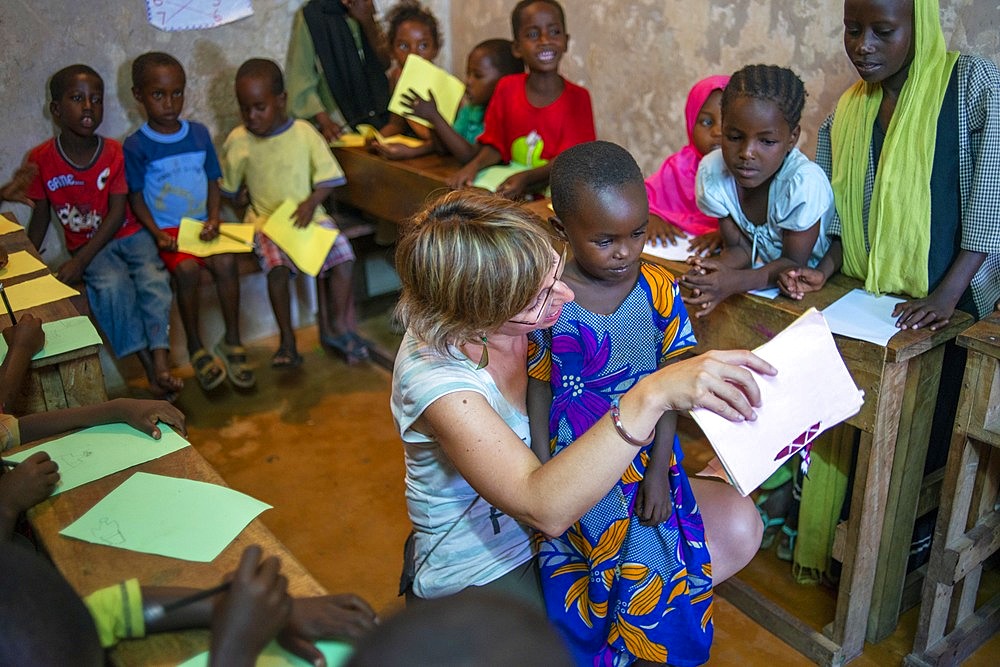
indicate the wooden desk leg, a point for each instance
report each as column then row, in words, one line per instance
column 872, row 472
column 912, row 439
column 82, row 381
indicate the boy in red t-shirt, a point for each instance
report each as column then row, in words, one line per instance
column 532, row 117
column 81, row 176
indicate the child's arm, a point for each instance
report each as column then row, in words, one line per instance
column 23, row 487
column 3, row 257
column 72, row 271
column 402, row 151
column 395, row 125
column 38, row 223
column 935, row 310
column 251, row 613
column 23, row 339
column 653, row 504
column 464, row 177
column 211, row 227
column 305, row 210
column 539, row 403
column 15, row 190
column 714, row 280
column 451, row 140
column 142, row 415
column 363, row 11
column 145, row 217
column 796, row 282
column 516, row 185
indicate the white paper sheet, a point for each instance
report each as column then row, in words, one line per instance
column 677, row 252
column 812, row 392
column 173, row 15
column 863, row 316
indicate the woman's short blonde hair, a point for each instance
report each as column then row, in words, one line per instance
column 468, row 263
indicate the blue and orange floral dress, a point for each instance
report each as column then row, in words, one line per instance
column 618, row 590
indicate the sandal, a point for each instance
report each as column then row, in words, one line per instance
column 207, row 369
column 349, row 345
column 786, row 548
column 771, row 527
column 234, row 358
column 286, row 359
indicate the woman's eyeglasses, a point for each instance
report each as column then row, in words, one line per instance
column 545, row 294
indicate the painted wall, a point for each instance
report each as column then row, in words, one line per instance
column 637, row 57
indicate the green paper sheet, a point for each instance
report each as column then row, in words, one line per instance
column 20, row 263
column 425, row 77
column 99, row 451
column 307, row 246
column 189, row 238
column 168, row 516
column 336, row 654
column 62, row 336
column 491, row 177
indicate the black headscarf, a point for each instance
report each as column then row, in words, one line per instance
column 359, row 87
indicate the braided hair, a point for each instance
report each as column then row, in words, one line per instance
column 779, row 85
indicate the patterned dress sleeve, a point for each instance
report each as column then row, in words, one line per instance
column 669, row 310
column 540, row 355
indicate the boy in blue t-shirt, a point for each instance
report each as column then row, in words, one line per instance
column 172, row 172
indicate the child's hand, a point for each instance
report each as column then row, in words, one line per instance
column 932, row 312
column 16, row 189
column 419, row 107
column 304, row 214
column 710, row 283
column 463, row 178
column 513, row 187
column 26, row 334
column 250, row 615
column 659, row 230
column 796, row 282
column 706, row 244
column 29, row 483
column 395, row 151
column 359, row 10
column 209, row 230
column 3, row 257
column 143, row 415
column 71, row 273
column 327, row 127
column 342, row 617
column 653, row 504
column 165, row 241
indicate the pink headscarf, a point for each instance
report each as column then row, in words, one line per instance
column 671, row 189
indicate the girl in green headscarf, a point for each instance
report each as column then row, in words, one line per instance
column 913, row 154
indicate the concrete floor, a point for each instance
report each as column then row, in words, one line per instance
column 319, row 445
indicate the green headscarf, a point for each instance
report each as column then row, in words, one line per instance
column 899, row 217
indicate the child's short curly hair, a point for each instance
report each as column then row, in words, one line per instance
column 60, row 80
column 267, row 70
column 411, row 10
column 145, row 62
column 468, row 263
column 515, row 15
column 501, row 55
column 768, row 82
column 593, row 166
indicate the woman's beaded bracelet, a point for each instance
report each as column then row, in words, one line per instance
column 616, row 419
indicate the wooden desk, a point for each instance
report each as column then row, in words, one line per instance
column 391, row 190
column 89, row 567
column 900, row 384
column 66, row 380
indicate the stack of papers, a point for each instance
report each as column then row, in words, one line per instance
column 812, row 392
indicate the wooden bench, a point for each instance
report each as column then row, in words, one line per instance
column 968, row 525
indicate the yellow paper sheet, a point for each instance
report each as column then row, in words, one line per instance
column 425, row 77
column 307, row 246
column 368, row 133
column 20, row 263
column 6, row 226
column 37, row 292
column 188, row 238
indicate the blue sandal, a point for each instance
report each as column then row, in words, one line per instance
column 786, row 550
column 771, row 527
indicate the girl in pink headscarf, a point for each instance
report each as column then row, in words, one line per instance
column 673, row 210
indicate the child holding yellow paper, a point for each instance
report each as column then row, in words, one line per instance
column 271, row 158
column 412, row 29
column 172, row 173
column 488, row 62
